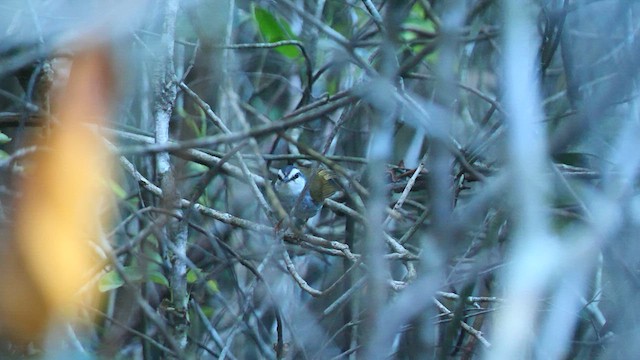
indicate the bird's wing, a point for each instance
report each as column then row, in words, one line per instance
column 322, row 185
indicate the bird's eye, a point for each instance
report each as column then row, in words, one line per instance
column 297, row 175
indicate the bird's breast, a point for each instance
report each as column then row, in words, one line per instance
column 288, row 197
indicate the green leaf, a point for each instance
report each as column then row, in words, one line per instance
column 208, row 311
column 275, row 29
column 4, row 138
column 133, row 273
column 193, row 275
column 158, row 278
column 195, row 167
column 332, row 86
column 212, row 285
column 418, row 19
column 155, row 259
column 112, row 279
column 196, row 123
column 109, row 281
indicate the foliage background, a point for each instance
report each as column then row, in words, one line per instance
column 486, row 154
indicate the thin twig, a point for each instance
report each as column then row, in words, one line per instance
column 406, row 191
column 209, row 141
column 473, row 332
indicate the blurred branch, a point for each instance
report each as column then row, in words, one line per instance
column 292, row 120
column 528, row 275
column 19, row 154
column 470, row 89
column 194, row 155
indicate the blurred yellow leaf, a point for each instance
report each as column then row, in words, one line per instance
column 59, row 212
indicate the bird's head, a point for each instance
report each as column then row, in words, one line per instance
column 292, row 178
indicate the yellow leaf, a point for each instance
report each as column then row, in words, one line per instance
column 60, row 211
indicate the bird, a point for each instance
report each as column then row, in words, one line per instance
column 291, row 182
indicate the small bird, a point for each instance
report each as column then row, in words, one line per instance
column 292, row 181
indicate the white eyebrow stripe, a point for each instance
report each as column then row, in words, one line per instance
column 294, row 172
column 280, row 175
